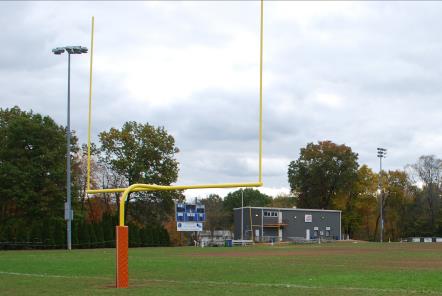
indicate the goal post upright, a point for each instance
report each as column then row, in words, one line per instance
column 261, row 41
column 122, row 234
column 89, row 125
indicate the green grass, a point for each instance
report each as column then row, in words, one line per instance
column 326, row 269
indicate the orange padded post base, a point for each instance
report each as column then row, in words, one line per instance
column 122, row 244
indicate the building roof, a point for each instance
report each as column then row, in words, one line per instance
column 290, row 209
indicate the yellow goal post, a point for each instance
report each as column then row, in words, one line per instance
column 154, row 187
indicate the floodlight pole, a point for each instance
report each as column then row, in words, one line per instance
column 382, row 201
column 242, row 216
column 382, row 152
column 68, row 160
column 68, row 206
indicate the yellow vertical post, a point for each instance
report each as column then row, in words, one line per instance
column 260, row 89
column 88, row 184
column 251, row 224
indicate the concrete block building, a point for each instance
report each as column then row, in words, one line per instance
column 286, row 224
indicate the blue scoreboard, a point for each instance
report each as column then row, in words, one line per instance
column 190, row 217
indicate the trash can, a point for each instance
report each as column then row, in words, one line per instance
column 228, row 243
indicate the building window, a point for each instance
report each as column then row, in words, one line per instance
column 270, row 214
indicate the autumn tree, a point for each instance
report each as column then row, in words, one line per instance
column 217, row 218
column 397, row 198
column 428, row 171
column 175, row 236
column 359, row 205
column 106, row 177
column 79, row 176
column 321, row 172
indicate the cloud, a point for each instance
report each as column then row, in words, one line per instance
column 364, row 74
column 328, row 100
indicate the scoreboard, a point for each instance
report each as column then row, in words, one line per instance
column 190, row 217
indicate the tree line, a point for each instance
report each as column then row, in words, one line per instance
column 328, row 176
column 33, row 183
column 324, row 176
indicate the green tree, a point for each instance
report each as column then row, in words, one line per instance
column 84, row 236
column 59, row 233
column 134, row 235
column 165, row 239
column 252, row 197
column 148, row 230
column 108, row 223
column 321, row 172
column 284, row 201
column 142, row 153
column 32, row 166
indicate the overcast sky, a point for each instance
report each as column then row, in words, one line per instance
column 364, row 74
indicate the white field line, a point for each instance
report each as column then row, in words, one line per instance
column 45, row 275
column 218, row 283
column 279, row 285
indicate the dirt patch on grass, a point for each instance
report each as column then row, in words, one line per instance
column 283, row 253
column 391, row 256
column 408, row 264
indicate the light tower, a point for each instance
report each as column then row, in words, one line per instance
column 382, row 153
column 68, row 208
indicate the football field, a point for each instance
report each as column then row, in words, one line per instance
column 326, row 269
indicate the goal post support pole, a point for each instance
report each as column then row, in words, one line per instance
column 122, row 260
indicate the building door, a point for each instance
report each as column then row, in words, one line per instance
column 307, row 234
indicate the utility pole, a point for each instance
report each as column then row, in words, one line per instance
column 382, row 153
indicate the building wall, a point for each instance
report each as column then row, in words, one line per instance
column 323, row 223
column 256, row 219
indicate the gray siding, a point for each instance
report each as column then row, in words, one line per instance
column 297, row 227
column 326, row 224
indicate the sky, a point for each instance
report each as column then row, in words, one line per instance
column 365, row 74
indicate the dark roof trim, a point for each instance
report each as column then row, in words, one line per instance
column 289, row 209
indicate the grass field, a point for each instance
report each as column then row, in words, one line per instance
column 326, row 269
